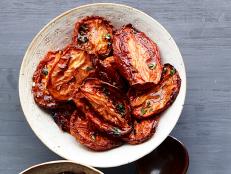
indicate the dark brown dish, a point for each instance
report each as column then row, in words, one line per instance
column 170, row 157
column 106, row 95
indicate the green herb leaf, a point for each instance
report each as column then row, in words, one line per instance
column 109, row 44
column 143, row 111
column 173, row 71
column 83, row 27
column 89, row 68
column 148, row 104
column 93, row 137
column 120, row 107
column 82, row 33
column 116, row 131
column 82, row 39
column 108, row 36
column 135, row 31
column 164, row 70
column 152, row 66
column 105, row 90
column 45, row 71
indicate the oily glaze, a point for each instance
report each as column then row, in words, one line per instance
column 112, row 108
column 63, row 114
column 159, row 98
column 101, row 79
column 107, row 71
column 142, row 131
column 93, row 34
column 40, row 79
column 69, row 72
column 137, row 57
column 82, row 129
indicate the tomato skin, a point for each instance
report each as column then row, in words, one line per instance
column 156, row 100
column 137, row 57
column 142, row 131
column 107, row 71
column 105, row 106
column 40, row 79
column 87, row 135
column 62, row 116
column 107, row 87
column 93, row 34
column 69, row 72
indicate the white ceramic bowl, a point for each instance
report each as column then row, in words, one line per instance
column 55, row 35
column 57, row 167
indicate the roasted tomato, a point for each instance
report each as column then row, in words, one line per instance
column 137, row 57
column 40, row 78
column 107, row 72
column 160, row 97
column 62, row 115
column 106, row 107
column 69, row 72
column 142, row 131
column 86, row 134
column 94, row 34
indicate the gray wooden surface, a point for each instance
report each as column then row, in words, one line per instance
column 202, row 30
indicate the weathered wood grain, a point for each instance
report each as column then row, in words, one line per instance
column 201, row 28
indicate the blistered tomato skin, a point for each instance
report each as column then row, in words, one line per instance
column 107, row 71
column 107, row 87
column 159, row 98
column 94, row 34
column 109, row 109
column 62, row 116
column 137, row 57
column 69, row 72
column 40, row 79
column 142, row 131
column 86, row 134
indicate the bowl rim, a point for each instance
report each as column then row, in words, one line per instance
column 78, row 8
column 60, row 161
column 186, row 153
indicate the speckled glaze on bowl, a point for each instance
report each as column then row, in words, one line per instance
column 57, row 167
column 55, row 35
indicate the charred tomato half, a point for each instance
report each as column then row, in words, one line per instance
column 159, row 98
column 40, row 79
column 62, row 116
column 94, row 34
column 69, row 72
column 106, row 107
column 142, row 131
column 107, row 71
column 86, row 134
column 137, row 57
